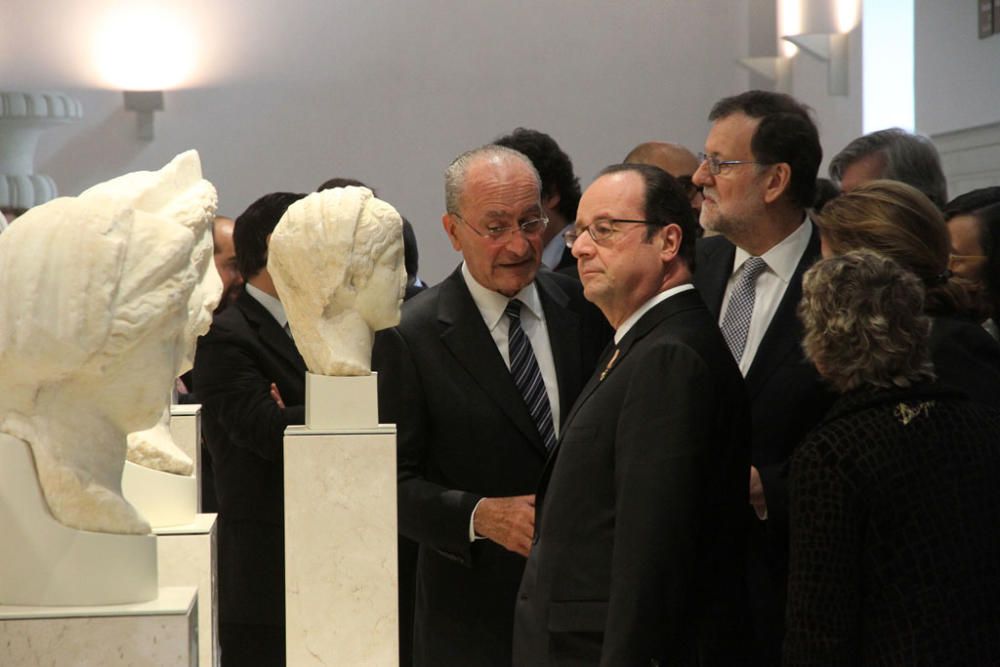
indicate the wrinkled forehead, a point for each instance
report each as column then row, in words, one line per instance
column 501, row 190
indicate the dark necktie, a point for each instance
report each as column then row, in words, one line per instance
column 527, row 376
column 736, row 324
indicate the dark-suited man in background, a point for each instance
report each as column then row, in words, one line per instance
column 759, row 177
column 640, row 523
column 247, row 350
column 470, row 446
column 560, row 191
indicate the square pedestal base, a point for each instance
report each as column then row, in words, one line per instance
column 187, row 557
column 162, row 632
column 340, row 548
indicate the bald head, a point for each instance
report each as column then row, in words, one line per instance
column 674, row 159
column 671, row 158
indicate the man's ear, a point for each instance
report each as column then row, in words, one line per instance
column 778, row 182
column 549, row 202
column 672, row 236
column 449, row 223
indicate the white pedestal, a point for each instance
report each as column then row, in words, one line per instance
column 340, row 543
column 336, row 403
column 163, row 498
column 162, row 632
column 187, row 556
column 185, row 429
column 43, row 562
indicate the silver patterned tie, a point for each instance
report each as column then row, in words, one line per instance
column 736, row 323
column 527, row 376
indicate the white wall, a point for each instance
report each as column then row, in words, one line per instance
column 293, row 93
column 838, row 117
column 957, row 74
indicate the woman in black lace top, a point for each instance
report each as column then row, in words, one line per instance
column 895, row 496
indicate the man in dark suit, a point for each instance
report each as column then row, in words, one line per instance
column 470, row 446
column 246, row 361
column 640, row 510
column 759, row 176
column 560, row 192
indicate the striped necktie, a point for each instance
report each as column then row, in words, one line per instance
column 527, row 376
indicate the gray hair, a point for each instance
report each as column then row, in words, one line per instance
column 864, row 322
column 910, row 158
column 454, row 175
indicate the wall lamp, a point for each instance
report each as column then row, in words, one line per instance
column 830, row 48
column 773, row 68
column 144, row 103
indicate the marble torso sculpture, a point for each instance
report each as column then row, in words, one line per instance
column 336, row 258
column 179, row 195
column 95, row 320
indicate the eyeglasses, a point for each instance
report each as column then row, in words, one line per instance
column 499, row 233
column 601, row 231
column 690, row 187
column 715, row 165
column 960, row 262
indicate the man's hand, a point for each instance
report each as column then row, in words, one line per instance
column 757, row 494
column 276, row 396
column 510, row 522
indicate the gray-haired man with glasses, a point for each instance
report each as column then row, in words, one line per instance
column 758, row 172
column 479, row 376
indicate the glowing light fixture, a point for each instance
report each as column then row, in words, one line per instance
column 848, row 14
column 789, row 23
column 144, row 49
column 829, row 48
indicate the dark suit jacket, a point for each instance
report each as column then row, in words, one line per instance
column 237, row 360
column 787, row 398
column 895, row 540
column 640, row 514
column 464, row 433
column 966, row 358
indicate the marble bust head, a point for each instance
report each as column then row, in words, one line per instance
column 95, row 321
column 177, row 194
column 336, row 258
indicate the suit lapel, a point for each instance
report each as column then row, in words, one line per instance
column 713, row 271
column 784, row 334
column 609, row 363
column 270, row 332
column 563, row 326
column 465, row 335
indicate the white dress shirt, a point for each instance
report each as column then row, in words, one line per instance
column 553, row 252
column 781, row 261
column 271, row 305
column 491, row 306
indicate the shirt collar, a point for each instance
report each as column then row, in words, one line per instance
column 646, row 307
column 782, row 259
column 492, row 304
column 271, row 304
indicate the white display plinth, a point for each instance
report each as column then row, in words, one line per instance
column 162, row 632
column 163, row 498
column 43, row 562
column 185, row 429
column 334, row 403
column 187, row 556
column 340, row 541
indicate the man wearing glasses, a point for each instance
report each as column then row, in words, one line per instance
column 759, row 174
column 640, row 520
column 479, row 392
